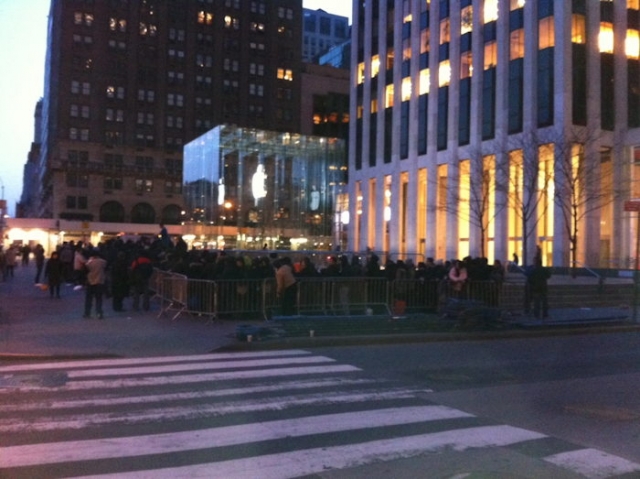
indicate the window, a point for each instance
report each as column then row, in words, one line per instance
column 605, row 38
column 73, row 111
column 117, row 24
column 204, row 60
column 546, row 33
column 490, row 55
column 445, row 31
column 466, row 20
column 171, row 187
column 81, row 18
column 516, row 49
column 256, row 89
column 175, row 99
column 516, row 4
column 285, row 74
column 256, row 69
column 231, row 22
column 632, row 44
column 466, row 65
column 375, row 65
column 388, row 96
column 112, row 183
column 406, row 89
column 578, row 29
column 143, row 185
column 259, row 7
column 444, row 73
column 77, row 180
column 424, row 81
column 490, row 11
column 148, row 29
column 176, row 35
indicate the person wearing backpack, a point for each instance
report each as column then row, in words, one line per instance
column 141, row 271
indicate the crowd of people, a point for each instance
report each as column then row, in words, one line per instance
column 121, row 269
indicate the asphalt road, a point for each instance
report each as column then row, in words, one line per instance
column 557, row 408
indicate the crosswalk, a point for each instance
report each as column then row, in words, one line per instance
column 271, row 414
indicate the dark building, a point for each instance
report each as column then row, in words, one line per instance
column 321, row 31
column 129, row 83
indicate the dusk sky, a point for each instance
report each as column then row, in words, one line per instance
column 23, row 34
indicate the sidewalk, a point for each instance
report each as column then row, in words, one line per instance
column 34, row 325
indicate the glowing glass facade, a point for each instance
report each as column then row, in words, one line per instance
column 264, row 184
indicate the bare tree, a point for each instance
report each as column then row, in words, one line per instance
column 527, row 182
column 472, row 202
column 580, row 175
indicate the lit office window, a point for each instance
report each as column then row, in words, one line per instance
column 516, row 45
column 466, row 65
column 605, row 38
column 546, row 33
column 490, row 55
column 388, row 96
column 360, row 74
column 515, row 4
column 444, row 73
column 406, row 89
column 633, row 4
column 406, row 49
column 424, row 81
column 424, row 41
column 490, row 11
column 445, row 31
column 375, row 65
column 466, row 20
column 578, row 29
column 632, row 44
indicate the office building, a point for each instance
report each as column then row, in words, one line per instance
column 487, row 128
column 128, row 84
column 321, row 31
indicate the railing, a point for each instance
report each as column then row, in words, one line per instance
column 336, row 297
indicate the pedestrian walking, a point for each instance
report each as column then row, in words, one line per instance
column 10, row 261
column 25, row 251
column 53, row 272
column 79, row 263
column 38, row 256
column 96, row 276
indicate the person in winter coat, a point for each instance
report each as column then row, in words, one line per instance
column 38, row 254
column 140, row 273
column 119, row 281
column 286, row 286
column 53, row 274
column 96, row 280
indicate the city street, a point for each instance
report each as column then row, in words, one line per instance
column 523, row 408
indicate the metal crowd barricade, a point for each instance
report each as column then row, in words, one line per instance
column 335, row 297
column 173, row 294
column 242, row 296
column 360, row 296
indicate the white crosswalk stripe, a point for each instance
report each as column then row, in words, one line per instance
column 261, row 415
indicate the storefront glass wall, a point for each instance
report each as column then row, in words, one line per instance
column 249, row 188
